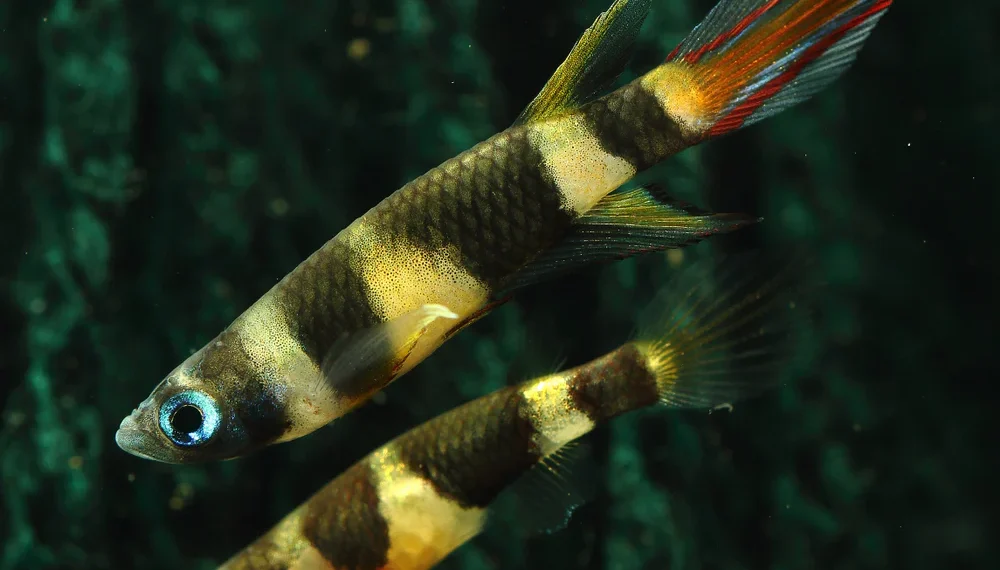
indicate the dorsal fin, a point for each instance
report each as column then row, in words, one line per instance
column 595, row 61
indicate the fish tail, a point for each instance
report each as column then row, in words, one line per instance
column 721, row 333
column 751, row 59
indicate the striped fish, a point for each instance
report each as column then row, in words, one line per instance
column 545, row 195
column 413, row 501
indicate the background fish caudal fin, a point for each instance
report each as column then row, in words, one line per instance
column 751, row 59
column 724, row 331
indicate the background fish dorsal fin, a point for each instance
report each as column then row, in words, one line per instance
column 595, row 61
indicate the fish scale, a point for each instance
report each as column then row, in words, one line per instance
column 635, row 126
column 470, row 205
column 324, row 299
column 469, row 460
column 348, row 520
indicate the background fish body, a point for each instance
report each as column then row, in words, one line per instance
column 413, row 501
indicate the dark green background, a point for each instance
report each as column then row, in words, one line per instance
column 163, row 163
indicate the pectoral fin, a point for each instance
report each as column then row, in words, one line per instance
column 365, row 361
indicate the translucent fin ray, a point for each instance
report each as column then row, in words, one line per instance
column 547, row 495
column 364, row 361
column 721, row 332
column 752, row 59
column 623, row 224
column 595, row 61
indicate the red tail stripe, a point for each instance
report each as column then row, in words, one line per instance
column 735, row 118
column 722, row 38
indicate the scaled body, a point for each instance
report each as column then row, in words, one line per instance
column 412, row 502
column 536, row 198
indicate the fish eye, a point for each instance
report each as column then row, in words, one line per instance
column 190, row 418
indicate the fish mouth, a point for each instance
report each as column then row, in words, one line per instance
column 133, row 439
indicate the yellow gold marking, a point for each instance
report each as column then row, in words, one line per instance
column 282, row 547
column 424, row 527
column 277, row 355
column 660, row 359
column 401, row 277
column 311, row 559
column 583, row 171
column 555, row 418
column 679, row 95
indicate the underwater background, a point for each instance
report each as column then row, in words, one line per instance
column 162, row 164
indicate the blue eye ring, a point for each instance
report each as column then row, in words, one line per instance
column 203, row 404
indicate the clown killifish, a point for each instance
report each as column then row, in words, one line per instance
column 543, row 196
column 711, row 338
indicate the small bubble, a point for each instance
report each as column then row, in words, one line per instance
column 675, row 257
column 37, row 306
column 15, row 419
column 385, row 24
column 279, row 207
column 222, row 289
column 131, row 477
column 359, row 48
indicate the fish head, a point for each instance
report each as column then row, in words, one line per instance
column 213, row 406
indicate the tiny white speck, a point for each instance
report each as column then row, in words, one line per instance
column 907, row 144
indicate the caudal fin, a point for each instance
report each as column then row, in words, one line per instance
column 721, row 332
column 751, row 59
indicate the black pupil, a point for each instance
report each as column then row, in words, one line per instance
column 187, row 419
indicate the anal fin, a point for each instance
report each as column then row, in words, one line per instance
column 544, row 498
column 595, row 61
column 623, row 224
column 366, row 360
